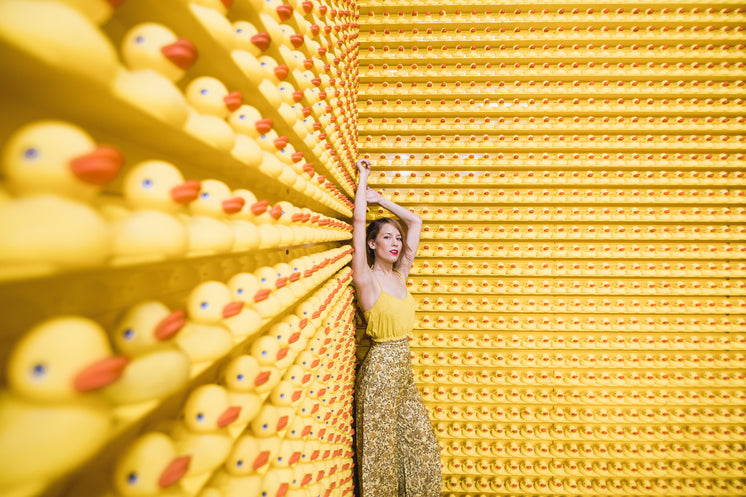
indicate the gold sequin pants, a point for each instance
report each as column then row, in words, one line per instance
column 397, row 451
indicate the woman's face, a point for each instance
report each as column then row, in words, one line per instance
column 388, row 244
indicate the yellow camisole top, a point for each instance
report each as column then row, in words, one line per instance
column 391, row 318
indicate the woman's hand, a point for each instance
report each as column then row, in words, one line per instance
column 372, row 196
column 363, row 166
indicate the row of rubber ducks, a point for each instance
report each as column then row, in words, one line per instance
column 593, row 232
column 535, row 70
column 594, row 486
column 721, row 250
column 517, row 15
column 151, row 354
column 653, row 305
column 545, row 177
column 639, row 168
column 628, row 341
column 590, row 286
column 710, row 269
column 156, row 59
column 633, row 379
column 572, row 213
column 53, row 214
column 488, row 142
column 691, row 196
column 589, row 397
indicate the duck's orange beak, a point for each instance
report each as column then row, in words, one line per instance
column 281, row 282
column 98, row 167
column 100, row 374
column 170, row 325
column 281, row 142
column 284, row 12
column 227, row 3
column 261, row 460
column 259, row 207
column 264, row 126
column 298, row 96
column 232, row 309
column 283, row 490
column 174, row 471
column 182, row 53
column 296, row 40
column 276, row 212
column 282, row 353
column 186, row 192
column 307, row 6
column 233, row 205
column 282, row 71
column 229, row 415
column 261, row 40
column 233, row 100
column 262, row 378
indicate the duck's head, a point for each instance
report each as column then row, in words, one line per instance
column 251, row 207
column 59, row 158
column 61, row 358
column 269, row 279
column 247, row 120
column 248, row 38
column 154, row 46
column 207, row 409
column 287, row 91
column 149, row 465
column 276, row 10
column 267, row 350
column 208, row 95
column 242, row 374
column 245, row 288
column 271, row 70
column 158, row 185
column 215, row 200
column 250, row 454
column 210, row 302
column 145, row 325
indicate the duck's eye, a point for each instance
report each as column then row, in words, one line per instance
column 264, row 280
column 239, row 30
column 147, row 183
column 31, row 154
column 39, row 370
column 204, row 305
column 242, row 117
column 204, row 91
column 200, row 417
column 140, row 40
column 239, row 291
column 239, row 463
column 132, row 478
column 204, row 195
column 264, row 353
column 239, row 377
column 263, row 64
column 128, row 334
column 265, row 426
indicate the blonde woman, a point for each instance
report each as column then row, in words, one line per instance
column 397, row 452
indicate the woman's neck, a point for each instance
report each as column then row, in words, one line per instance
column 383, row 268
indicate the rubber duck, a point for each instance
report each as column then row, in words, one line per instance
column 155, row 59
column 207, row 225
column 244, row 288
column 205, row 337
column 270, row 304
column 150, row 466
column 54, row 169
column 249, row 39
column 268, row 354
column 247, row 120
column 240, row 377
column 262, row 72
column 60, row 35
column 155, row 192
column 156, row 367
column 210, row 104
column 212, row 15
column 201, row 431
column 51, row 422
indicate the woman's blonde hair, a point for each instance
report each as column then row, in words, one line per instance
column 371, row 233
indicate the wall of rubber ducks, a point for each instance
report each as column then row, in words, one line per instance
column 174, row 244
column 580, row 281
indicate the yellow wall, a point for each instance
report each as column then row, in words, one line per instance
column 580, row 278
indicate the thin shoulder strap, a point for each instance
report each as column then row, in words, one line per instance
column 379, row 281
column 401, row 277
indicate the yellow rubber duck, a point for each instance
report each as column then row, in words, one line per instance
column 247, row 236
column 247, row 151
column 150, row 466
column 50, row 422
column 155, row 192
column 249, row 39
column 241, row 474
column 262, row 72
column 244, row 287
column 157, row 368
column 201, row 432
column 268, row 280
column 210, row 103
column 53, row 169
column 268, row 353
column 155, row 59
column 205, row 337
column 212, row 15
column 207, row 226
column 239, row 377
column 60, row 36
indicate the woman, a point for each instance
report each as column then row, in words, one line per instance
column 397, row 452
